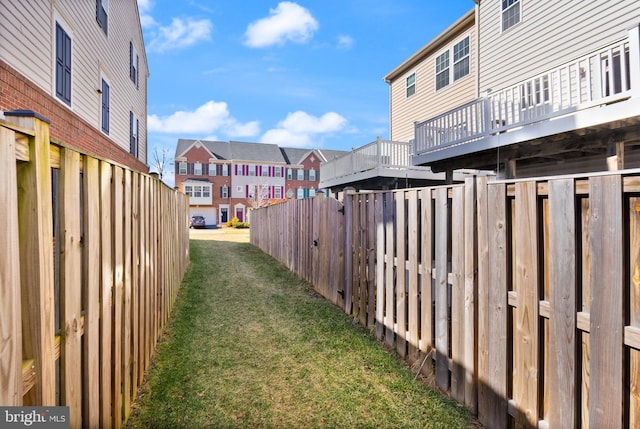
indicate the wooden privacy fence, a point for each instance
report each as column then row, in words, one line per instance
column 523, row 297
column 91, row 259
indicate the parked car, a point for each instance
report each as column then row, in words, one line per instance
column 196, row 222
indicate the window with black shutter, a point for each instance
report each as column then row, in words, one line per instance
column 102, row 9
column 63, row 65
column 134, row 63
column 105, row 107
column 134, row 128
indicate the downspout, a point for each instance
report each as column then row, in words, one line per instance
column 477, row 30
column 388, row 82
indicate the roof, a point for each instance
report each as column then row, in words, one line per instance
column 263, row 152
column 463, row 22
column 267, row 152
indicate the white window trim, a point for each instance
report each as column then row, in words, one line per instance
column 502, row 12
column 407, row 86
column 300, row 174
column 451, row 66
column 181, row 171
column 312, row 172
column 225, row 169
column 197, row 169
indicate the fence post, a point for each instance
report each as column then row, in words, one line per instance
column 36, row 256
column 348, row 249
column 10, row 332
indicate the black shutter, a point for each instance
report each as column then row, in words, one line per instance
column 105, row 107
column 101, row 16
column 63, row 65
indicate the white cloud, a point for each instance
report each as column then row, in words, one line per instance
column 144, row 7
column 209, row 118
column 288, row 21
column 345, row 42
column 180, row 34
column 299, row 129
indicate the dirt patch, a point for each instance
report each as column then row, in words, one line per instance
column 221, row 234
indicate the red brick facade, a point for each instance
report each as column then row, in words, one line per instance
column 19, row 93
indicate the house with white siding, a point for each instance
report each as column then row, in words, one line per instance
column 82, row 66
column 558, row 91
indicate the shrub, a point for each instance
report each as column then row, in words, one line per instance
column 241, row 225
column 233, row 222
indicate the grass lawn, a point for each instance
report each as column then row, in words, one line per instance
column 251, row 346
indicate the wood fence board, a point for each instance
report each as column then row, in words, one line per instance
column 607, row 311
column 562, row 322
column 135, row 282
column 585, row 306
column 371, row 260
column 118, row 285
column 10, row 317
column 484, row 386
column 348, row 253
column 495, row 414
column 127, row 291
column 442, row 313
column 106, row 299
column 36, row 265
column 380, row 265
column 526, row 340
column 91, row 294
column 470, row 296
column 70, row 283
column 426, row 280
column 389, row 315
column 401, row 275
column 363, row 254
column 634, row 306
column 414, row 296
column 457, row 294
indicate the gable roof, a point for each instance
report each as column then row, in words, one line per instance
column 256, row 152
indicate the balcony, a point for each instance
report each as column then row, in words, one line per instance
column 380, row 159
column 597, row 91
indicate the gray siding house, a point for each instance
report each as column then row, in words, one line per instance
column 558, row 87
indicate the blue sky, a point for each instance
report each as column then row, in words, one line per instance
column 295, row 73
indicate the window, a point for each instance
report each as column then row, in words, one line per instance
column 510, row 13
column 225, row 169
column 442, row 70
column 300, row 174
column 182, row 168
column 265, row 170
column 300, row 194
column 188, row 190
column 224, row 191
column 63, row 65
column 105, row 107
column 312, row 192
column 277, row 192
column 102, row 10
column 252, row 170
column 197, row 169
column 277, row 171
column 212, row 170
column 197, row 192
column 411, row 84
column 289, row 174
column 134, row 128
column 134, row 62
column 206, row 191
column 461, row 59
column 312, row 174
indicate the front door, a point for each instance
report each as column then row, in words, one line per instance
column 240, row 214
column 224, row 215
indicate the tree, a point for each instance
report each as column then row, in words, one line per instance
column 258, row 195
column 160, row 160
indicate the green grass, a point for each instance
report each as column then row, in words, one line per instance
column 251, row 346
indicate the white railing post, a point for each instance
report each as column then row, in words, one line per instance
column 634, row 60
column 379, row 151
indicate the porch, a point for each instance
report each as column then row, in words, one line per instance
column 377, row 165
column 582, row 108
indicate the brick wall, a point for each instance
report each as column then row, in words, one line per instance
column 18, row 92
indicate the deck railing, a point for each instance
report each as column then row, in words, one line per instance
column 603, row 76
column 379, row 153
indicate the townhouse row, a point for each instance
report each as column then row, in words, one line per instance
column 226, row 179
